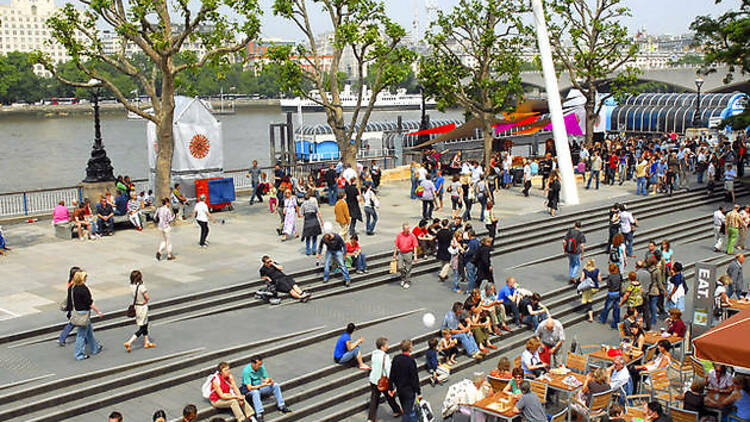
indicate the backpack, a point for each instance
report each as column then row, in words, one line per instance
column 419, row 191
column 571, row 246
column 614, row 255
column 207, row 388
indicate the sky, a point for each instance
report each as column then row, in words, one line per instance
column 658, row 16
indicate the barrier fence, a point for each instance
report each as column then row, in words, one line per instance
column 43, row 201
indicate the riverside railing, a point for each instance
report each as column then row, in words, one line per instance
column 43, row 201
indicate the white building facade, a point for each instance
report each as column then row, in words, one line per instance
column 23, row 28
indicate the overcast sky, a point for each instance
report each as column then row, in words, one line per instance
column 658, row 16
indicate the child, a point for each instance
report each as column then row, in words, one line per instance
column 503, row 369
column 432, row 360
column 448, row 347
column 273, row 201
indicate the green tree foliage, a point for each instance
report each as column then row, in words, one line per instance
column 590, row 41
column 17, row 79
column 726, row 40
column 159, row 29
column 474, row 60
column 375, row 41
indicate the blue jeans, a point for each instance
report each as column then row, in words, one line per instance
column 84, row 338
column 574, row 264
column 407, row 404
column 467, row 208
column 532, row 320
column 456, row 279
column 257, row 395
column 311, row 244
column 468, row 343
column 641, row 190
column 371, row 218
column 629, row 242
column 593, row 174
column 427, row 206
column 471, row 275
column 613, row 301
column 653, row 302
column 65, row 333
column 332, row 195
column 339, row 256
column 351, row 354
column 483, row 201
column 700, row 176
column 414, row 183
column 360, row 262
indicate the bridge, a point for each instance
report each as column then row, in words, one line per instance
column 680, row 78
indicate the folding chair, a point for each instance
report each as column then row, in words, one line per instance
column 698, row 369
column 540, row 389
column 561, row 416
column 621, row 330
column 660, row 387
column 681, row 370
column 599, row 405
column 682, row 415
column 517, row 361
column 577, row 363
column 497, row 383
column 649, row 355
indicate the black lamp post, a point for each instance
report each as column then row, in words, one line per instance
column 99, row 167
column 425, row 121
column 697, row 117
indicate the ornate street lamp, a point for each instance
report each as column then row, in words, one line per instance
column 99, row 167
column 697, row 117
column 424, row 122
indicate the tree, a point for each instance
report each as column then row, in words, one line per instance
column 474, row 60
column 159, row 29
column 17, row 79
column 726, row 40
column 372, row 38
column 599, row 46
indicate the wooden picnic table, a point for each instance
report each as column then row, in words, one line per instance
column 491, row 406
column 653, row 337
column 556, row 382
column 711, row 402
column 633, row 356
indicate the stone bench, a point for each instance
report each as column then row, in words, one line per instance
column 68, row 230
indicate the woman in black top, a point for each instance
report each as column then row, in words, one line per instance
column 352, row 202
column 483, row 263
column 80, row 301
column 68, row 327
column 553, row 193
column 614, row 283
column 693, row 399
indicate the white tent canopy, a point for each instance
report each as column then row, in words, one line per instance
column 198, row 144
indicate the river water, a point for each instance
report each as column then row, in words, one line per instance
column 40, row 152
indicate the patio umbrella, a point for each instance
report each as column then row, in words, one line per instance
column 727, row 343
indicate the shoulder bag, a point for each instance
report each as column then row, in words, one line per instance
column 383, row 380
column 130, row 313
column 77, row 318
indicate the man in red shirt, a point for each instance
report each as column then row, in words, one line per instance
column 406, row 253
column 614, row 160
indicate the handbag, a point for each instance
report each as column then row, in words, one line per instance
column 383, row 380
column 394, row 266
column 79, row 319
column 130, row 313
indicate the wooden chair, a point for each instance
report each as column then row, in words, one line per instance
column 621, row 330
column 561, row 416
column 540, row 389
column 497, row 383
column 576, row 362
column 682, row 415
column 698, row 369
column 637, row 400
column 660, row 387
column 599, row 405
column 517, row 361
column 649, row 355
column 681, row 370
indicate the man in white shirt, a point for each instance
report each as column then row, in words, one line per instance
column 201, row 215
column 719, row 221
column 476, row 172
column 349, row 173
column 619, row 377
column 627, row 221
column 526, row 177
column 421, row 173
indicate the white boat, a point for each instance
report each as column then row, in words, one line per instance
column 385, row 101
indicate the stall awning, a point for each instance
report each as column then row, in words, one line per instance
column 727, row 343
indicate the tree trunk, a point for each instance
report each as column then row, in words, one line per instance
column 590, row 121
column 487, row 138
column 165, row 139
column 347, row 151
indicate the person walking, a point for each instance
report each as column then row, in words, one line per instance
column 254, row 174
column 627, row 226
column 352, row 203
column 404, row 379
column 526, row 177
column 733, row 224
column 428, row 197
column 553, row 193
column 81, row 303
column 406, row 252
column 381, row 367
column 140, row 301
column 69, row 326
column 719, row 229
column 614, row 284
column 574, row 245
column 311, row 227
column 164, row 218
column 202, row 215
column 335, row 249
column 341, row 210
column 291, row 212
column 596, row 167
column 481, row 192
column 371, row 206
column 734, row 270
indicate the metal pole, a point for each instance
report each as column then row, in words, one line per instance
column 564, row 161
column 698, row 108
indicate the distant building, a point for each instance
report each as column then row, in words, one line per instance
column 257, row 56
column 23, row 28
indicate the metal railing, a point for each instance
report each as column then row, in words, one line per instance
column 43, row 201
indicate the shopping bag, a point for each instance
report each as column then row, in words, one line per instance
column 394, row 266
